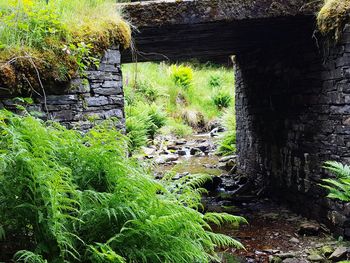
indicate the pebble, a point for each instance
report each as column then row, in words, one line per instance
column 315, row 258
column 286, row 255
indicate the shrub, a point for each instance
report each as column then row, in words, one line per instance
column 222, row 99
column 182, row 75
column 80, row 199
column 339, row 188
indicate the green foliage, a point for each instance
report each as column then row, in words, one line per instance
column 338, row 188
column 55, row 40
column 215, row 81
column 29, row 257
column 177, row 128
column 182, row 75
column 157, row 119
column 148, row 91
column 222, row 99
column 143, row 122
column 83, row 55
column 78, row 198
column 193, row 106
column 136, row 130
column 227, row 142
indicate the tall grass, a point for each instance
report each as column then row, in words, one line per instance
column 186, row 92
column 227, row 141
column 25, row 20
column 79, row 198
column 53, row 39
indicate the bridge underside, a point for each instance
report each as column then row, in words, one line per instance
column 292, row 91
column 216, row 41
column 212, row 30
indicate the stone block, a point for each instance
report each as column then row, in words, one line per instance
column 117, row 113
column 108, row 91
column 79, row 86
column 60, row 99
column 97, row 101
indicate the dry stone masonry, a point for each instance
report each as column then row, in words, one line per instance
column 293, row 114
column 84, row 101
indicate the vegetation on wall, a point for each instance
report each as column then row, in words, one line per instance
column 76, row 198
column 333, row 16
column 41, row 43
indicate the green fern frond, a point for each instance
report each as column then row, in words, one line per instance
column 28, row 257
column 221, row 218
column 222, row 240
column 338, row 188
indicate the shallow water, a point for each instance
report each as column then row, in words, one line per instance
column 272, row 227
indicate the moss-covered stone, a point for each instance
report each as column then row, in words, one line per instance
column 333, row 16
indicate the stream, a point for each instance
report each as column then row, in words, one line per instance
column 274, row 233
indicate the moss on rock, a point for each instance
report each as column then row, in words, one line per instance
column 66, row 47
column 333, row 16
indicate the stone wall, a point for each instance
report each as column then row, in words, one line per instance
column 83, row 101
column 293, row 113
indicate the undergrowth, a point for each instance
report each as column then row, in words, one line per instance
column 190, row 96
column 47, row 43
column 78, row 198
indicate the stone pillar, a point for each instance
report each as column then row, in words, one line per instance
column 293, row 114
column 84, row 101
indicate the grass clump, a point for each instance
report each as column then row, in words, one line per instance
column 222, row 99
column 78, row 198
column 52, row 42
column 227, row 142
column 333, row 16
column 182, row 75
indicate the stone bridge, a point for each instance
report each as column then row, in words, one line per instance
column 214, row 29
column 292, row 87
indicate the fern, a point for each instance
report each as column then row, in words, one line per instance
column 338, row 188
column 78, row 198
column 220, row 218
column 29, row 257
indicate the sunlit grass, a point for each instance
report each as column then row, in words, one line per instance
column 34, row 34
column 192, row 104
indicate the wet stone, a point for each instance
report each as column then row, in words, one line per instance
column 309, row 229
column 315, row 258
column 341, row 253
